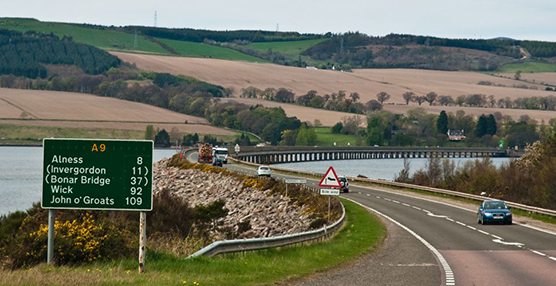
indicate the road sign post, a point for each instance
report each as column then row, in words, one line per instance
column 97, row 174
column 330, row 180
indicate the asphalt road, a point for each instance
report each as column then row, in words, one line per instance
column 446, row 237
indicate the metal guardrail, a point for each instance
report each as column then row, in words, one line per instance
column 527, row 208
column 237, row 245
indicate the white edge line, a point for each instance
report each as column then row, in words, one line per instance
column 539, row 253
column 444, row 266
column 453, row 206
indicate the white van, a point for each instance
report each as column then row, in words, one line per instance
column 220, row 153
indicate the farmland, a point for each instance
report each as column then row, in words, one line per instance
column 288, row 48
column 201, row 50
column 31, row 114
column 367, row 82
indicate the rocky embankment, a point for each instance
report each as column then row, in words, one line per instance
column 268, row 214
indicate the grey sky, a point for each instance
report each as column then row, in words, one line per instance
column 531, row 19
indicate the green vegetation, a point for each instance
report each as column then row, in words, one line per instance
column 201, row 50
column 528, row 67
column 290, row 48
column 98, row 36
column 24, row 54
column 326, row 138
column 15, row 134
column 361, row 233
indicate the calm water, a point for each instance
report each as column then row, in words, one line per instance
column 20, row 176
column 385, row 169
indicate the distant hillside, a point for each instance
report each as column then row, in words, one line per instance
column 325, row 51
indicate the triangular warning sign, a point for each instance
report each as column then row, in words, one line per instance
column 330, row 179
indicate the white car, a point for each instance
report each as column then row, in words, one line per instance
column 263, row 171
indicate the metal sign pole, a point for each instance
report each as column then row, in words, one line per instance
column 328, row 218
column 142, row 240
column 50, row 250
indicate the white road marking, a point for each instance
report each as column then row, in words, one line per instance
column 445, row 266
column 497, row 237
column 553, row 258
column 450, row 219
column 368, row 195
column 460, row 223
column 426, row 211
column 417, row 208
column 395, row 202
column 508, row 243
column 405, row 204
column 433, row 215
column 471, row 227
column 483, row 232
column 536, row 252
column 377, row 197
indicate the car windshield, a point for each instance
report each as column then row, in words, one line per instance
column 263, row 168
column 495, row 205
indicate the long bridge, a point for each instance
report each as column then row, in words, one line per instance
column 287, row 154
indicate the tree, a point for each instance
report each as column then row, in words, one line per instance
column 250, row 92
column 284, row 95
column 149, row 132
column 162, row 139
column 517, row 75
column 354, row 96
column 317, row 123
column 289, row 137
column 337, row 128
column 373, row 105
column 446, row 100
column 491, row 125
column 442, row 123
column 382, row 97
column 408, row 96
column 420, row 99
column 306, row 136
column 481, row 128
column 351, row 124
column 431, row 97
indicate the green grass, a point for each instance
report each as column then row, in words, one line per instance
column 101, row 38
column 361, row 233
column 326, row 138
column 191, row 49
column 288, row 48
column 528, row 67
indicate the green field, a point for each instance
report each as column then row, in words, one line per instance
column 361, row 233
column 289, row 48
column 101, row 38
column 326, row 138
column 191, row 49
column 528, row 67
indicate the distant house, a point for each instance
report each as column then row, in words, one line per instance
column 456, row 135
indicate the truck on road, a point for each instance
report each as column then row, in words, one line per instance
column 220, row 153
column 205, row 153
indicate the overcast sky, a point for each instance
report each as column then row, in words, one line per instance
column 530, row 19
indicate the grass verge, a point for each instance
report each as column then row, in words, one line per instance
column 326, row 138
column 361, row 233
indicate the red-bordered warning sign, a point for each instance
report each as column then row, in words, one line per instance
column 330, row 179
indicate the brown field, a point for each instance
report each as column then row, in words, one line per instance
column 541, row 77
column 78, row 106
column 326, row 117
column 77, row 110
column 367, row 82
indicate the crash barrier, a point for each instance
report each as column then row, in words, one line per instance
column 523, row 207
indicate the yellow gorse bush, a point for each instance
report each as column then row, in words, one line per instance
column 75, row 241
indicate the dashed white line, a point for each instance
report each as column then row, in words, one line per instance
column 460, row 223
column 450, row 219
column 483, row 232
column 497, row 237
column 377, row 197
column 471, row 227
column 395, row 202
column 417, row 208
column 405, row 204
column 553, row 258
column 368, row 195
column 426, row 211
column 536, row 252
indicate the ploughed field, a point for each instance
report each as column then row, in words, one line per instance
column 76, row 110
column 367, row 82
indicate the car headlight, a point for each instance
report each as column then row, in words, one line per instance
column 488, row 214
column 508, row 214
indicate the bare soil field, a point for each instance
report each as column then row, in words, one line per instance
column 9, row 111
column 326, row 117
column 541, row 77
column 78, row 106
column 367, row 82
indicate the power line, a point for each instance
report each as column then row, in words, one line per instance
column 155, row 18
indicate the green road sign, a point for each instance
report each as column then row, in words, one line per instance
column 97, row 174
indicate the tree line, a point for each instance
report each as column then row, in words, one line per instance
column 26, row 54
